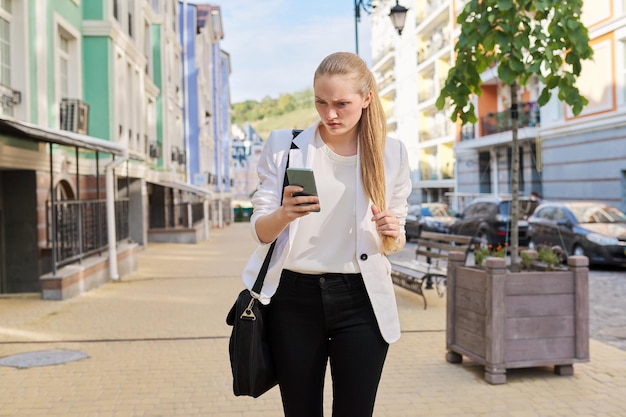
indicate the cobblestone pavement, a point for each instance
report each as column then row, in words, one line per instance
column 607, row 295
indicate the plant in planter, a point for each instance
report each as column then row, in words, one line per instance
column 482, row 253
column 545, row 259
column 505, row 320
column 508, row 319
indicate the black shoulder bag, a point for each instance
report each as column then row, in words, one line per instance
column 249, row 349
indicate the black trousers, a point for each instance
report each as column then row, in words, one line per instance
column 314, row 318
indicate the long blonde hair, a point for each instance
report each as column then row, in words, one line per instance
column 372, row 128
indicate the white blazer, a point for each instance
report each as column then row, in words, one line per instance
column 374, row 265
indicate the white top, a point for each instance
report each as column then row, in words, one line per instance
column 335, row 224
column 373, row 264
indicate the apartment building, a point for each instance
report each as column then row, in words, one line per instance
column 410, row 69
column 93, row 147
column 562, row 157
column 206, row 72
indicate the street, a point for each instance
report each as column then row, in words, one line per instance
column 607, row 291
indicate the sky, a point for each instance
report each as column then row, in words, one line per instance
column 276, row 45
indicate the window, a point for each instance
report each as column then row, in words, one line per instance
column 484, row 174
column 546, row 213
column 624, row 69
column 116, row 9
column 5, row 42
column 67, row 61
column 63, row 191
column 147, row 41
column 64, row 65
column 131, row 13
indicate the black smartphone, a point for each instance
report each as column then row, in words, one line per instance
column 305, row 178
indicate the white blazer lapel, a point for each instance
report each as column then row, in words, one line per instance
column 301, row 157
column 305, row 141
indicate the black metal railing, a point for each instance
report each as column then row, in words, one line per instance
column 80, row 228
column 501, row 121
column 182, row 212
column 197, row 212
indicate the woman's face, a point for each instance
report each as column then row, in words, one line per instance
column 338, row 105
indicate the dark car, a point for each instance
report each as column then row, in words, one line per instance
column 430, row 217
column 488, row 219
column 595, row 230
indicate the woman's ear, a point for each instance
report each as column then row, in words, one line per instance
column 367, row 100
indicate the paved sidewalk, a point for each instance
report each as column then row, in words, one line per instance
column 157, row 345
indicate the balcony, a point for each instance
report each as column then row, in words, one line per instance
column 501, row 122
column 427, row 91
column 384, row 60
column 430, row 14
column 386, row 81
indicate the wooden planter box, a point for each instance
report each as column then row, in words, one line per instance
column 506, row 320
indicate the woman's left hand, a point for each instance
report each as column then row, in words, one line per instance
column 387, row 224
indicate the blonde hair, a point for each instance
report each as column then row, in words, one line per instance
column 372, row 128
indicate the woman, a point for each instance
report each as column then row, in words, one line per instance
column 329, row 279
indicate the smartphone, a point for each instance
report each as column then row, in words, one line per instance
column 304, row 178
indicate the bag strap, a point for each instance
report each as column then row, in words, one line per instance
column 258, row 284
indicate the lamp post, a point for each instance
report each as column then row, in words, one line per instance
column 397, row 15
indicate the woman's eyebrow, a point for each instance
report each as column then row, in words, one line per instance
column 338, row 100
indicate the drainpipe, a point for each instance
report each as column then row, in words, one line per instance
column 110, row 204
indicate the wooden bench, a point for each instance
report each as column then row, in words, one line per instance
column 429, row 268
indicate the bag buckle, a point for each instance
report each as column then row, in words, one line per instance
column 247, row 313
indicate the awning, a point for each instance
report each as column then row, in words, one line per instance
column 179, row 185
column 62, row 137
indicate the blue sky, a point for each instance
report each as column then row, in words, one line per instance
column 275, row 45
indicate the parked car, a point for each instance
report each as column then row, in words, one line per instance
column 488, row 219
column 595, row 230
column 430, row 217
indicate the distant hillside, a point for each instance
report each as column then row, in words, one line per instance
column 289, row 111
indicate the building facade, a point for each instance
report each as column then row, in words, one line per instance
column 562, row 157
column 93, row 148
column 410, row 69
column 206, row 73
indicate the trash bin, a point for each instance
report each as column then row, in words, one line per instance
column 246, row 212
column 242, row 211
column 238, row 214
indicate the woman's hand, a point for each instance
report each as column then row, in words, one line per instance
column 268, row 227
column 292, row 207
column 387, row 224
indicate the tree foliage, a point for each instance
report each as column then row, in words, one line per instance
column 521, row 38
column 251, row 110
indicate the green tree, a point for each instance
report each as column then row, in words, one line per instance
column 286, row 103
column 523, row 38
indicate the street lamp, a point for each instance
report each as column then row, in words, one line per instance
column 397, row 15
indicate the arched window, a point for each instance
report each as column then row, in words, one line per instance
column 63, row 191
